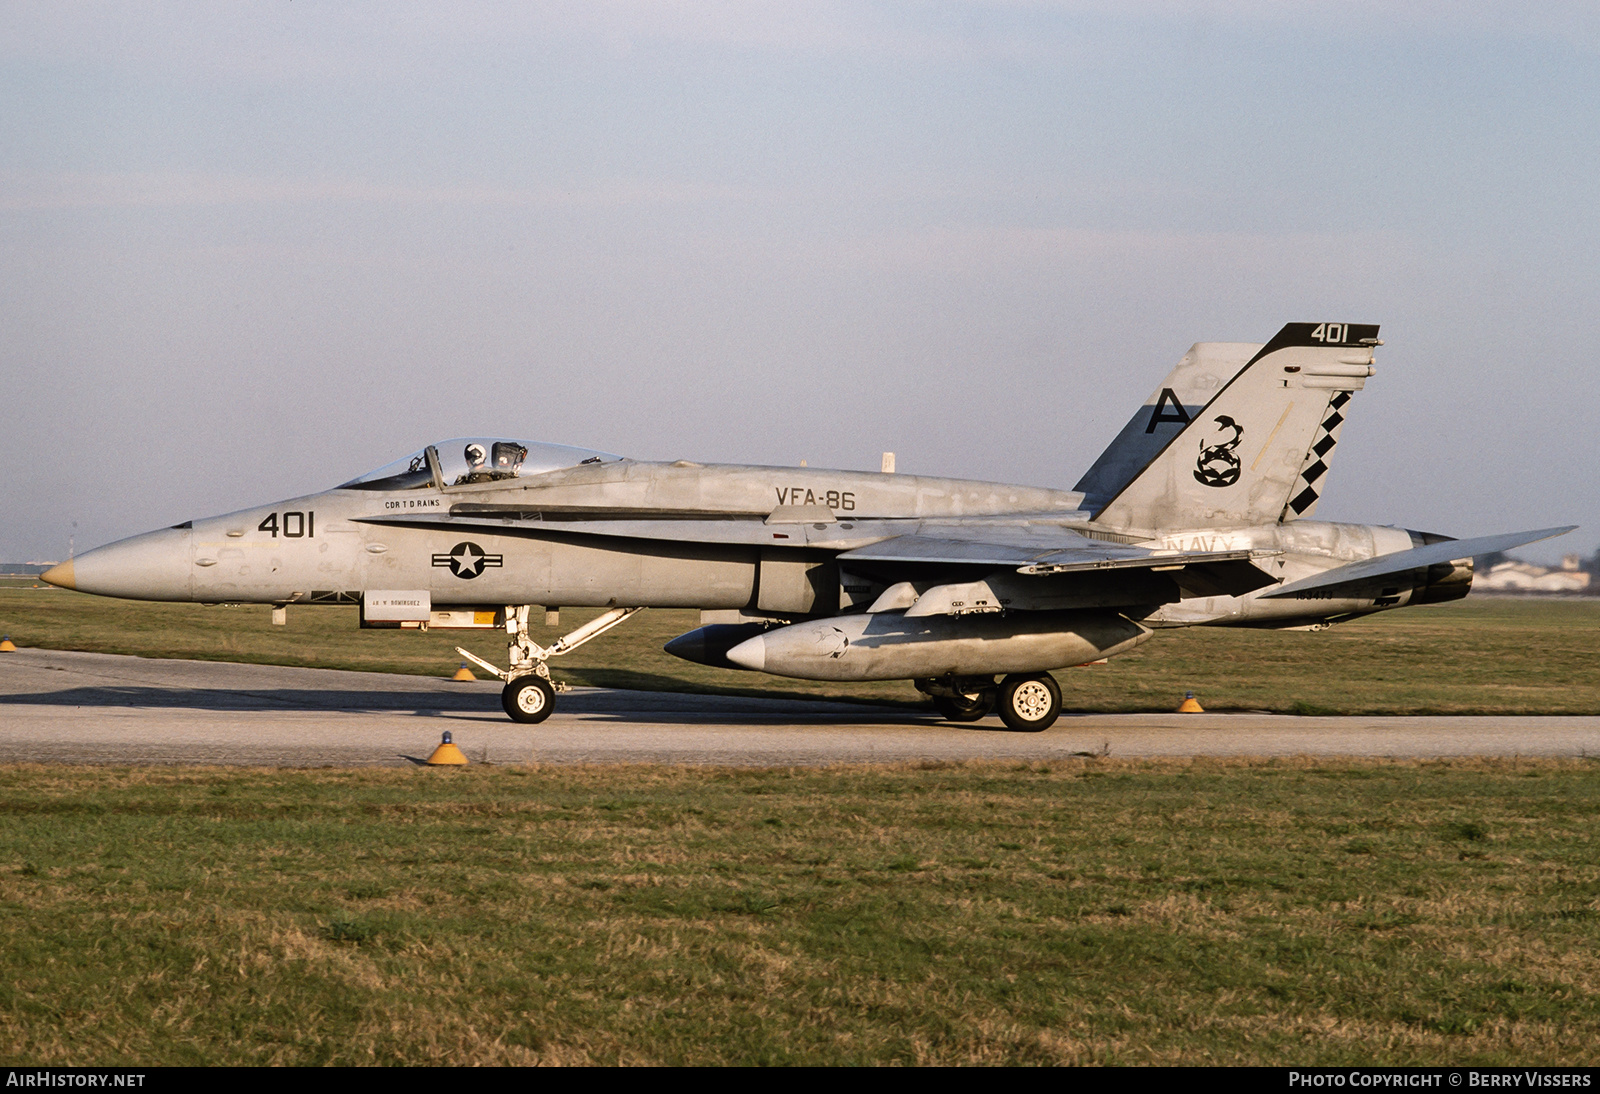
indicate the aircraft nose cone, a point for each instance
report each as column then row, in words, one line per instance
column 154, row 566
column 60, row 576
column 751, row 653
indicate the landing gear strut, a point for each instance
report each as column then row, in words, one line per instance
column 530, row 695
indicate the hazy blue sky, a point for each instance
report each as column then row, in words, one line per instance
column 250, row 251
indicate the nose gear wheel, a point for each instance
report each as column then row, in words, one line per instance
column 528, row 699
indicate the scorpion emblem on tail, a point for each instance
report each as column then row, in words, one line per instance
column 1217, row 465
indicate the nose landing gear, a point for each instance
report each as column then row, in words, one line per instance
column 530, row 694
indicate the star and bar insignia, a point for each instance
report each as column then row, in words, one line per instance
column 468, row 560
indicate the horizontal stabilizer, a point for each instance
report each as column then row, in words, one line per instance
column 1363, row 577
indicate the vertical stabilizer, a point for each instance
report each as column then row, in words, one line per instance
column 1173, row 405
column 1257, row 451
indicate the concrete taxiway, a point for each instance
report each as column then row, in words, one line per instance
column 60, row 707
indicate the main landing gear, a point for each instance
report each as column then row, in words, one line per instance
column 1027, row 702
column 1030, row 702
column 530, row 695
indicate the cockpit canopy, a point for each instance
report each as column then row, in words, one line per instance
column 466, row 460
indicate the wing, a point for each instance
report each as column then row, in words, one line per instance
column 1037, row 570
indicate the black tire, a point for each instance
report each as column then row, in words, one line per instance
column 965, row 708
column 1030, row 703
column 528, row 699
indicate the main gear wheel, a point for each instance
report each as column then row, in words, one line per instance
column 966, row 708
column 1030, row 703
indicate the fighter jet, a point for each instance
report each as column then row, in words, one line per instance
column 1199, row 513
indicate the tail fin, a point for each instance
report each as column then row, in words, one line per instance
column 1256, row 451
column 1173, row 405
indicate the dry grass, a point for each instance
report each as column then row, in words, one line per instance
column 1091, row 911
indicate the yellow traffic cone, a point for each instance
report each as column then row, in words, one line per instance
column 463, row 673
column 6, row 645
column 447, row 754
column 1190, row 704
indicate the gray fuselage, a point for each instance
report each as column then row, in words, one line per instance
column 338, row 545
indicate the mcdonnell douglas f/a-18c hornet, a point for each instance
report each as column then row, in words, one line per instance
column 1199, row 513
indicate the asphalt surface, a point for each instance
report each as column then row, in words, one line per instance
column 58, row 707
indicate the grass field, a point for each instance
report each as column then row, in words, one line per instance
column 1089, row 911
column 1490, row 656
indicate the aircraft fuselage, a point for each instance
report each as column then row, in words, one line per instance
column 334, row 546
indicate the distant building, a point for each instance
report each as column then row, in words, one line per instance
column 1524, row 577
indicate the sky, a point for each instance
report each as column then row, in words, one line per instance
column 248, row 252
